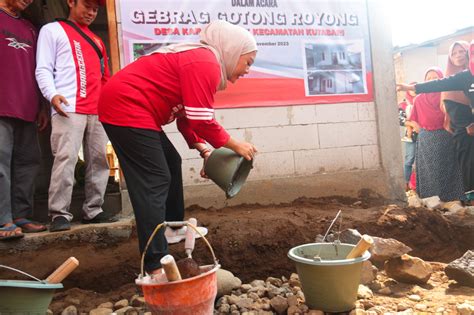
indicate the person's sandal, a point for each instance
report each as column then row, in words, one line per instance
column 10, row 232
column 28, row 226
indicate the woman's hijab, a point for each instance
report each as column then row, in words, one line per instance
column 227, row 41
column 452, row 69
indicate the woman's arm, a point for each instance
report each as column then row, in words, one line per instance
column 453, row 83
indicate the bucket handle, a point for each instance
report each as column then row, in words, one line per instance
column 23, row 273
column 174, row 224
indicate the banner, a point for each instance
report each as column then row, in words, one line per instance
column 309, row 51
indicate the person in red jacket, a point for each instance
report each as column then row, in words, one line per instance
column 176, row 82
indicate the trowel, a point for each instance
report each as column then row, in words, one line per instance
column 188, row 266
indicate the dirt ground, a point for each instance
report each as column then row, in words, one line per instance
column 252, row 241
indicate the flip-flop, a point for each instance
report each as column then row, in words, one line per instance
column 23, row 224
column 10, row 228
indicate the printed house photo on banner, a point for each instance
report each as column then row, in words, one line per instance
column 334, row 68
column 143, row 48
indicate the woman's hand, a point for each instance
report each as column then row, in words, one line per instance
column 205, row 156
column 405, row 87
column 242, row 148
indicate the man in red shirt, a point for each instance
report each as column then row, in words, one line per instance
column 71, row 69
column 19, row 111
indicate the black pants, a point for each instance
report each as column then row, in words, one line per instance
column 152, row 169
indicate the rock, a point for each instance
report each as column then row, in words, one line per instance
column 462, row 269
column 414, row 201
column 279, row 304
column 257, row 283
column 432, row 202
column 349, row 236
column 106, row 305
column 421, row 307
column 245, row 287
column 402, row 307
column 465, row 309
column 275, row 281
column 440, row 310
column 127, row 310
column 121, row 304
column 101, row 311
column 226, row 282
column 71, row 300
column 303, row 308
column 385, row 291
column 232, row 299
column 70, row 310
column 292, row 300
column 49, row 312
column 387, row 248
column 244, row 303
column 188, row 268
column 358, row 312
column 408, row 269
column 414, row 298
column 369, row 272
column 364, row 292
column 137, row 301
column 224, row 308
column 294, row 310
column 315, row 312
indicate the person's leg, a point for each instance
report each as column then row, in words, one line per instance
column 97, row 168
column 175, row 200
column 66, row 139
column 147, row 175
column 6, row 152
column 25, row 167
column 409, row 160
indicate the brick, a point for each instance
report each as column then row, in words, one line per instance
column 347, row 134
column 328, row 160
column 302, row 115
column 332, row 113
column 274, row 164
column 370, row 157
column 252, row 117
column 287, row 138
column 366, row 111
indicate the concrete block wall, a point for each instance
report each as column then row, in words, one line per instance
column 295, row 140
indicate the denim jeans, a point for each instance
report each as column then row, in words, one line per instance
column 409, row 160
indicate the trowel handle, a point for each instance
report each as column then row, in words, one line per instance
column 364, row 244
column 63, row 271
column 171, row 269
column 190, row 237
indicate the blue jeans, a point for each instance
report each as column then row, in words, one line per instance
column 409, row 159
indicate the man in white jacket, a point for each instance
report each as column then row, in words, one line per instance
column 71, row 69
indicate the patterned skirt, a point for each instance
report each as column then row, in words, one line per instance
column 437, row 170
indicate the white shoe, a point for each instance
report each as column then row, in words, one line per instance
column 177, row 235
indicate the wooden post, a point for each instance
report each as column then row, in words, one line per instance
column 113, row 36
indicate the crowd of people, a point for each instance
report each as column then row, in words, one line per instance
column 442, row 115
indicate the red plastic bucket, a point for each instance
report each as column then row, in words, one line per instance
column 192, row 296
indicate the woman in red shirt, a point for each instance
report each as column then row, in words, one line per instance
column 176, row 82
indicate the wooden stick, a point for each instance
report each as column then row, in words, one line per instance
column 364, row 244
column 63, row 271
column 171, row 269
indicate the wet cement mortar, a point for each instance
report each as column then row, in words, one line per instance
column 252, row 241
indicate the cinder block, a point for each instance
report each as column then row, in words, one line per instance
column 370, row 157
column 287, row 138
column 332, row 113
column 252, row 117
column 302, row 115
column 347, row 134
column 191, row 172
column 366, row 111
column 309, row 162
column 273, row 164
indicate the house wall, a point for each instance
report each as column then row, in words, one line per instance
column 314, row 150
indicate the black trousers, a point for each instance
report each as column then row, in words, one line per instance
column 152, row 170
